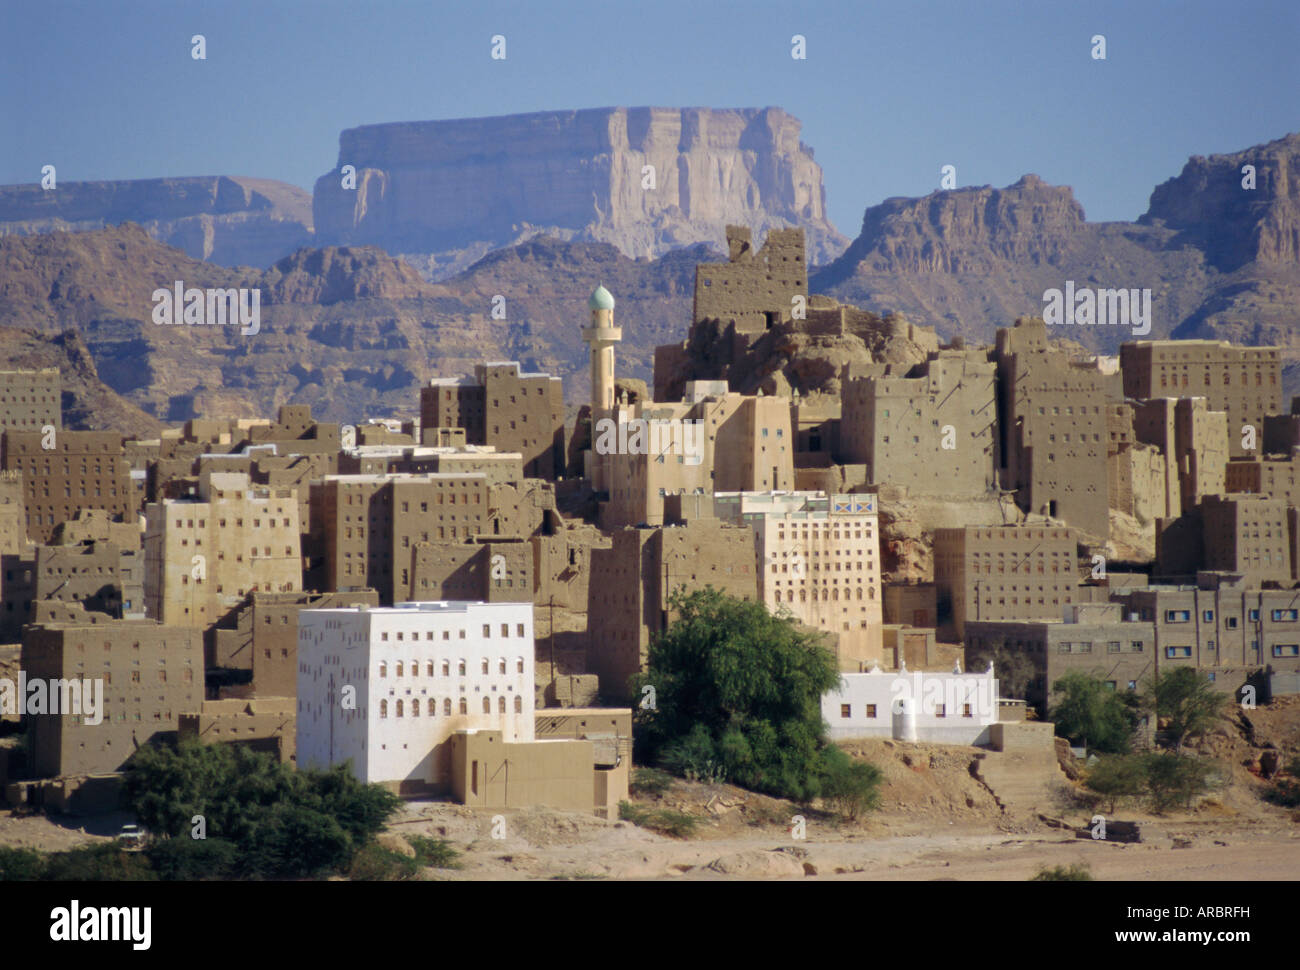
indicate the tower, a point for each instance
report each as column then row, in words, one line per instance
column 601, row 336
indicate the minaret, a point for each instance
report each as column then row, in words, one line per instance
column 601, row 337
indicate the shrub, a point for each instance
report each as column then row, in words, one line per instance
column 849, row 787
column 649, row 781
column 1117, row 776
column 1173, row 779
column 437, row 853
column 1079, row 872
column 665, row 821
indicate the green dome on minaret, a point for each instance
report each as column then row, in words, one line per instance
column 601, row 299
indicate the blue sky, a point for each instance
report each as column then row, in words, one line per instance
column 888, row 93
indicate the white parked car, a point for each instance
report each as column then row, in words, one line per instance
column 131, row 836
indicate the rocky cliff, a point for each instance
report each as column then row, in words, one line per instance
column 350, row 331
column 232, row 221
column 1222, row 261
column 431, row 190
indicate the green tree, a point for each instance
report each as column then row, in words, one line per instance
column 1174, row 779
column 1187, row 702
column 737, row 695
column 281, row 822
column 1117, row 776
column 1090, row 712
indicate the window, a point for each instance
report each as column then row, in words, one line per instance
column 1177, row 616
column 487, row 705
column 940, row 710
column 519, row 629
column 871, row 710
column 1230, row 622
column 383, row 708
column 519, row 704
column 1286, row 649
column 1112, row 646
column 1284, row 616
column 846, row 710
column 464, row 706
column 1207, row 616
column 1135, row 646
column 487, row 631
column 965, row 710
column 1174, row 653
column 1132, row 685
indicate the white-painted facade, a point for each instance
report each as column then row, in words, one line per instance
column 947, row 708
column 419, row 671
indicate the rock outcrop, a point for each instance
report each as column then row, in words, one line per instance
column 435, row 189
column 232, row 221
column 1222, row 260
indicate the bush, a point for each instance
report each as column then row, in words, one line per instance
column 665, row 821
column 193, row 859
column 849, row 787
column 649, row 781
column 1174, row 779
column 105, row 862
column 1079, row 872
column 21, row 865
column 375, row 863
column 1284, row 792
column 1117, row 776
column 281, row 823
column 437, row 853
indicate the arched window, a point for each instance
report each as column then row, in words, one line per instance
column 399, row 708
column 871, row 592
column 399, row 672
column 383, row 668
column 485, row 665
column 446, row 707
column 835, row 594
column 464, row 706
column 415, row 668
column 428, row 669
column 446, row 668
column 501, row 705
column 462, row 668
column 859, row 592
column 487, row 705
column 519, row 704
column 519, row 665
column 415, row 707
column 383, row 708
column 501, row 666
column 803, row 596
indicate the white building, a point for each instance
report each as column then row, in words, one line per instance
column 418, row 672
column 953, row 708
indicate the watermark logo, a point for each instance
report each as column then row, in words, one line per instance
column 953, row 693
column 209, row 307
column 654, row 436
column 49, row 178
column 1086, row 307
column 102, row 924
column 948, row 177
column 31, row 697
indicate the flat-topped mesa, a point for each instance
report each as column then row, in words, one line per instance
column 643, row 179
